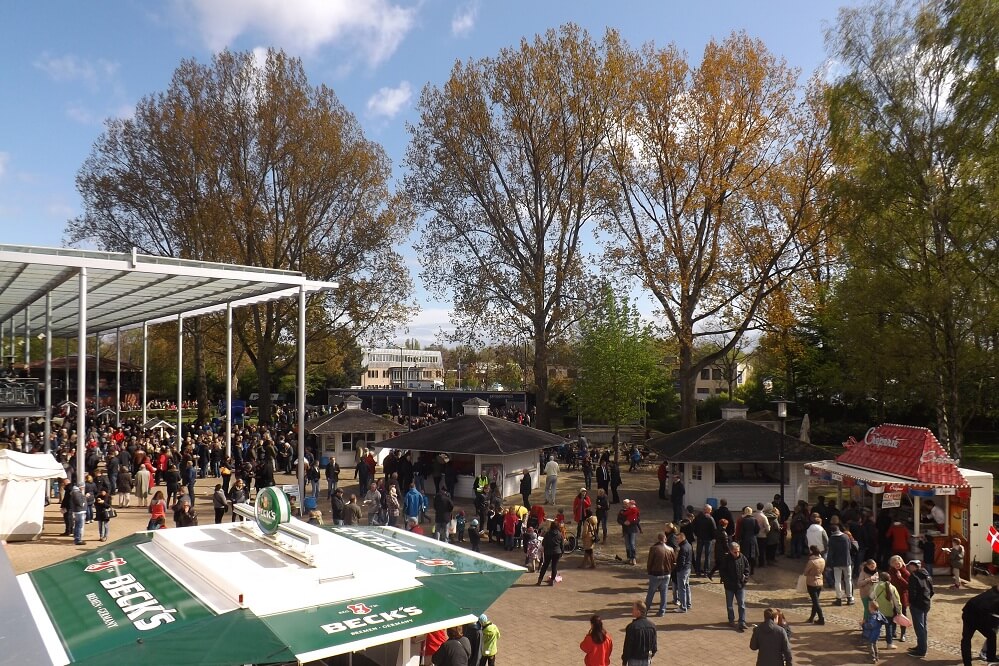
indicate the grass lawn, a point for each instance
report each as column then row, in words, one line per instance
column 980, row 453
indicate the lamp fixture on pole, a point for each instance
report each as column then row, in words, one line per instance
column 782, row 417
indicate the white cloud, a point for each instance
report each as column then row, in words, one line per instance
column 375, row 27
column 4, row 159
column 94, row 74
column 464, row 19
column 389, row 101
column 81, row 114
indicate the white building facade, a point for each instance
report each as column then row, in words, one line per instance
column 397, row 368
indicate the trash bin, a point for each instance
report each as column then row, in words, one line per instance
column 712, row 502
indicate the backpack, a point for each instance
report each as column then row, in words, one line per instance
column 621, row 519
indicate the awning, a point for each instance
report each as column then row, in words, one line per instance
column 838, row 472
column 215, row 595
column 17, row 466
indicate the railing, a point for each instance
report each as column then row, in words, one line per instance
column 18, row 394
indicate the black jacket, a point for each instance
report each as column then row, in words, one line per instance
column 734, row 571
column 639, row 640
column 920, row 589
column 551, row 543
column 982, row 607
column 525, row 484
column 704, row 527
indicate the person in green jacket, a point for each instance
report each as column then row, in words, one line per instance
column 490, row 641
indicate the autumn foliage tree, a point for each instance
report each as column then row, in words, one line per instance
column 719, row 171
column 503, row 162
column 243, row 161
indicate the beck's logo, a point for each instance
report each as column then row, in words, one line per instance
column 106, row 564
column 358, row 609
column 435, row 562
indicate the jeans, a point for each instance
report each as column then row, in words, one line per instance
column 102, row 529
column 702, row 563
column 315, row 487
column 660, row 583
column 919, row 626
column 740, row 597
column 843, row 582
column 677, row 511
column 630, row 538
column 813, row 595
column 90, row 512
column 603, row 525
column 682, row 583
column 551, row 487
column 78, row 519
column 799, row 545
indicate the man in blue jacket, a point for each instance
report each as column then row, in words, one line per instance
column 412, row 503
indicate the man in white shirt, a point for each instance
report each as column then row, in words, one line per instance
column 938, row 514
column 816, row 535
column 551, row 480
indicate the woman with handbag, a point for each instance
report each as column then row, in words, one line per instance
column 815, row 566
column 899, row 577
column 103, row 512
column 887, row 597
column 157, row 511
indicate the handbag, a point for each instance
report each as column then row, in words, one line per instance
column 802, row 586
column 902, row 621
column 112, row 513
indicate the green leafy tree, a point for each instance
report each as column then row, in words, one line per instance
column 620, row 363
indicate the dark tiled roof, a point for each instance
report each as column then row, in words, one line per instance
column 351, row 420
column 733, row 440
column 482, row 435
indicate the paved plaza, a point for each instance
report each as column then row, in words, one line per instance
column 543, row 626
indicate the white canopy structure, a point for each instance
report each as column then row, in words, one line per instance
column 75, row 293
column 24, row 480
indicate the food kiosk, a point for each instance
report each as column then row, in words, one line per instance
column 270, row 590
column 898, row 467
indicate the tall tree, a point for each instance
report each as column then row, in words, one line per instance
column 719, row 172
column 244, row 161
column 503, row 161
column 923, row 223
column 620, row 363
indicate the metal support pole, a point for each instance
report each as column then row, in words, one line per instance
column 97, row 375
column 81, row 380
column 228, row 380
column 301, row 396
column 66, row 363
column 48, row 371
column 781, row 461
column 26, row 444
column 145, row 356
column 117, row 377
column 180, row 379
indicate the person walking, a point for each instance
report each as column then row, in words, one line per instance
column 979, row 616
column 551, row 480
column 872, row 627
column 332, row 477
column 704, row 532
column 603, row 510
column 102, row 512
column 681, row 577
column 615, row 482
column 490, row 641
column 124, row 486
column 157, row 510
column 220, row 503
column 551, row 548
column 840, row 560
column 662, row 473
column 597, row 644
column 659, row 565
column 721, row 546
column 590, row 528
column 899, row 577
column 770, row 641
column 746, row 530
column 630, row 520
column 580, row 505
column 526, row 485
column 814, row 568
column 955, row 560
column 735, row 571
column 640, row 639
column 920, row 596
column 78, row 507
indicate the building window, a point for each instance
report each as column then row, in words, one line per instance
column 706, row 373
column 696, row 472
column 716, row 374
column 738, row 379
column 749, row 472
column 704, row 391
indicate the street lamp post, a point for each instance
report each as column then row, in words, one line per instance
column 782, row 417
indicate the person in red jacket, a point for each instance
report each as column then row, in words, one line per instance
column 580, row 504
column 898, row 535
column 509, row 528
column 597, row 644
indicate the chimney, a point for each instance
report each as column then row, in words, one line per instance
column 733, row 411
column 351, row 402
column 476, row 407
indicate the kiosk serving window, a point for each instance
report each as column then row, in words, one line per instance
column 748, row 472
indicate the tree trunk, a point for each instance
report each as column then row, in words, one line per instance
column 263, row 388
column 688, row 386
column 200, row 378
column 544, row 418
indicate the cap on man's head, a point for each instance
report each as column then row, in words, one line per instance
column 913, row 563
column 483, row 619
column 582, row 490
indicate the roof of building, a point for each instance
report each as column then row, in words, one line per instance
column 351, row 420
column 908, row 452
column 477, row 435
column 733, row 440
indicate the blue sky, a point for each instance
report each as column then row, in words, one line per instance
column 68, row 66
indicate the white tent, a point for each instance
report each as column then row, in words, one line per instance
column 24, row 479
